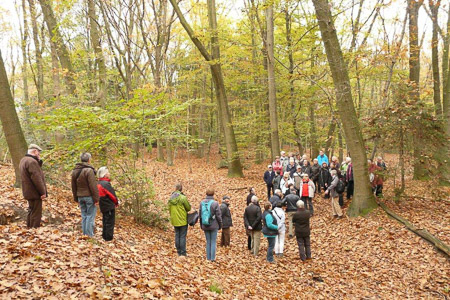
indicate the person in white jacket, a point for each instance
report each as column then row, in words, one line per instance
column 279, row 215
column 285, row 182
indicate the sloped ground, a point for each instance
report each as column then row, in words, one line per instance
column 372, row 257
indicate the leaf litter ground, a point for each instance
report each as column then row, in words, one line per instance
column 371, row 257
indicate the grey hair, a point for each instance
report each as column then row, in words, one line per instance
column 300, row 204
column 102, row 172
column 315, row 159
column 333, row 172
column 277, row 191
column 348, row 159
column 178, row 186
column 85, row 157
column 254, row 199
column 380, row 158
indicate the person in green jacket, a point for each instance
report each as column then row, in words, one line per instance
column 178, row 209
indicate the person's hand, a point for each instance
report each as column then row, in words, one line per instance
column 326, row 192
column 250, row 228
column 43, row 197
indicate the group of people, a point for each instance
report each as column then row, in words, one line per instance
column 88, row 191
column 292, row 182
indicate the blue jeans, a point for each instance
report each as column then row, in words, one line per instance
column 88, row 212
column 180, row 239
column 271, row 241
column 211, row 238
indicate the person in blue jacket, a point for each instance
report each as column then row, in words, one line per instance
column 322, row 158
column 270, row 229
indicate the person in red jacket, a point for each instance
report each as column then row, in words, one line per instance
column 108, row 203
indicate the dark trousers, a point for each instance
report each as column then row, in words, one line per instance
column 34, row 213
column 379, row 190
column 270, row 188
column 308, row 204
column 108, row 221
column 341, row 199
column 180, row 239
column 350, row 187
column 271, row 241
column 226, row 236
column 249, row 242
column 304, row 247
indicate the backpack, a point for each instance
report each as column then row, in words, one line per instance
column 340, row 187
column 207, row 218
column 192, row 218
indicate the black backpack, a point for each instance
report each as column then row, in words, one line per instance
column 340, row 187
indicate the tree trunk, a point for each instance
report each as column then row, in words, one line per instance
column 99, row 58
column 274, row 138
column 445, row 52
column 435, row 59
column 159, row 150
column 330, row 135
column 414, row 79
column 363, row 200
column 23, row 44
column 234, row 163
column 38, row 52
column 341, row 148
column 10, row 122
column 312, row 118
column 61, row 49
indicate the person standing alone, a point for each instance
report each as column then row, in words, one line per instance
column 34, row 189
column 178, row 209
column 85, row 192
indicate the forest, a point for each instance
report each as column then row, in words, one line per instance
column 207, row 93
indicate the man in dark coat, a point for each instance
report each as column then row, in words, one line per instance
column 302, row 231
column 349, row 178
column 291, row 207
column 324, row 178
column 276, row 198
column 315, row 171
column 34, row 189
column 227, row 222
column 251, row 193
column 85, row 192
column 268, row 179
column 253, row 224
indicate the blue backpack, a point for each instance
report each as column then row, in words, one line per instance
column 207, row 218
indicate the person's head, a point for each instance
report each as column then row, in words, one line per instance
column 210, row 192
column 286, row 175
column 86, row 157
column 315, row 161
column 369, row 161
column 305, row 177
column 304, row 156
column 251, row 190
column 321, row 152
column 324, row 165
column 291, row 161
column 277, row 157
column 379, row 159
column 103, row 172
column 283, row 153
column 226, row 199
column 332, row 164
column 290, row 185
column 300, row 205
column 278, row 172
column 267, row 205
column 255, row 200
column 348, row 160
column 334, row 158
column 299, row 168
column 305, row 162
column 34, row 150
column 333, row 172
column 178, row 186
column 278, row 192
column 269, row 167
column 292, row 189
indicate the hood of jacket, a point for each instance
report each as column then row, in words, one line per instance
column 83, row 165
column 175, row 198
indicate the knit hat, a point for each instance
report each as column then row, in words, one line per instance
column 102, row 172
column 34, row 147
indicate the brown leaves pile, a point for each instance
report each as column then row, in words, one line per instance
column 352, row 258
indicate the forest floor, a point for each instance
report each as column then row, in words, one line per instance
column 368, row 257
